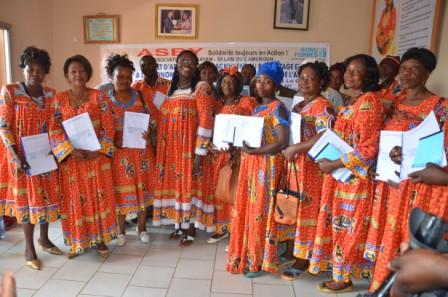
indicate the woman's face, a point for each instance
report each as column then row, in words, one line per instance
column 355, row 75
column 208, row 75
column 336, row 79
column 186, row 66
column 309, row 82
column 122, row 78
column 265, row 86
column 412, row 74
column 34, row 74
column 229, row 85
column 77, row 75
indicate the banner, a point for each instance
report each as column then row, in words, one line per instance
column 290, row 55
column 398, row 25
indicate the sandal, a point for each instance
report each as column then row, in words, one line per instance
column 217, row 237
column 348, row 287
column 285, row 260
column 186, row 240
column 254, row 274
column 176, row 234
column 292, row 273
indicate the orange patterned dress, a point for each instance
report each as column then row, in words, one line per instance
column 184, row 130
column 223, row 212
column 317, row 116
column 33, row 199
column 131, row 167
column 88, row 205
column 253, row 233
column 345, row 208
column 389, row 226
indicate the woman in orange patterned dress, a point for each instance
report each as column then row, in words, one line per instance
column 25, row 110
column 346, row 205
column 390, row 88
column 184, row 189
column 130, row 166
column 228, row 86
column 253, row 233
column 392, row 204
column 317, row 116
column 88, row 205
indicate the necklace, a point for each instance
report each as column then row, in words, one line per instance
column 77, row 101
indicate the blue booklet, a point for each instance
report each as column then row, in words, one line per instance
column 430, row 149
column 328, row 152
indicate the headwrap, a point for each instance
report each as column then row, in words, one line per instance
column 393, row 61
column 272, row 69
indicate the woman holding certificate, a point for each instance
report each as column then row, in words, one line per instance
column 133, row 159
column 317, row 116
column 346, row 205
column 254, row 236
column 25, row 110
column 228, row 86
column 82, row 133
column 393, row 202
column 184, row 188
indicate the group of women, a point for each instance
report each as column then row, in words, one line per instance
column 353, row 228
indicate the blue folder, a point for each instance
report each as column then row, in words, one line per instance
column 430, row 149
column 328, row 152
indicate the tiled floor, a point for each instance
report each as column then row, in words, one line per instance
column 158, row 269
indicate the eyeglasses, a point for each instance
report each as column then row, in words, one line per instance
column 186, row 62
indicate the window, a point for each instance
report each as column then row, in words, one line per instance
column 5, row 54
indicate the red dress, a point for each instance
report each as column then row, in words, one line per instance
column 254, row 233
column 88, row 205
column 392, row 206
column 148, row 93
column 33, row 199
column 223, row 212
column 184, row 130
column 344, row 215
column 131, row 167
column 317, row 116
column 390, row 96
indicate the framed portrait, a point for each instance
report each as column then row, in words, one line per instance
column 101, row 28
column 397, row 25
column 177, row 21
column 291, row 14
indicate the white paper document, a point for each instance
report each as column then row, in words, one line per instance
column 385, row 167
column 158, row 99
column 411, row 140
column 296, row 100
column 135, row 124
column 38, row 154
column 295, row 128
column 329, row 137
column 245, row 91
column 234, row 129
column 80, row 132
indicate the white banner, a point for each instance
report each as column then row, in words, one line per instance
column 291, row 55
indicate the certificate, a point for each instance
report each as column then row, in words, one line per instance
column 158, row 99
column 295, row 128
column 248, row 129
column 337, row 144
column 80, row 132
column 38, row 154
column 134, row 126
column 386, row 169
column 223, row 131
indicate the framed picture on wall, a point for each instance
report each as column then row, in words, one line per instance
column 101, row 28
column 291, row 14
column 398, row 25
column 177, row 21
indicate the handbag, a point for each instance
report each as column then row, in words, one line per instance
column 287, row 201
column 225, row 191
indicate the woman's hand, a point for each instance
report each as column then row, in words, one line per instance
column 84, row 155
column 8, row 286
column 249, row 150
column 197, row 165
column 327, row 166
column 395, row 155
column 21, row 164
column 432, row 175
column 289, row 153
